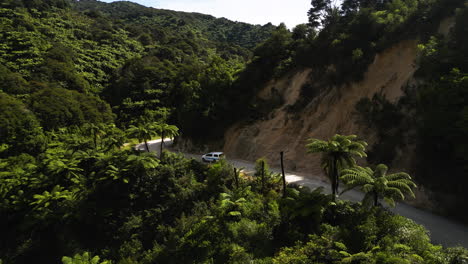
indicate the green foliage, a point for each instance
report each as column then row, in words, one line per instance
column 302, row 212
column 144, row 61
column 362, row 236
column 58, row 107
column 84, row 258
column 338, row 154
column 31, row 44
column 19, row 129
column 47, row 202
column 160, row 24
column 165, row 130
column 75, row 189
column 266, row 180
column 155, row 87
column 377, row 184
column 430, row 117
column 140, row 86
column 12, row 83
column 143, row 133
column 58, row 68
column 340, row 42
column 270, row 59
column 138, row 209
column 439, row 107
column 219, row 176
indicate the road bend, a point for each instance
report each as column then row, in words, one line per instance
column 442, row 230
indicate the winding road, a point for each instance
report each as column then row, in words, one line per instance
column 442, row 230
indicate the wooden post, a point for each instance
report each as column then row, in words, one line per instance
column 284, row 176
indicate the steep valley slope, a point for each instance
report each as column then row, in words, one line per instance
column 330, row 112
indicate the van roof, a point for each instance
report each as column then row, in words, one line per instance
column 216, row 153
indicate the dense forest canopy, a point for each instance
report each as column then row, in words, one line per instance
column 78, row 79
column 98, row 49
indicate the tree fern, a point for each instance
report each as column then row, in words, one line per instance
column 338, row 154
column 143, row 133
column 84, row 258
column 165, row 130
column 378, row 185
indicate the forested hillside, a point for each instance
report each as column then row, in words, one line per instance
column 81, row 82
column 141, row 60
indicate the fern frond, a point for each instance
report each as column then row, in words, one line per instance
column 317, row 145
column 399, row 175
column 389, row 201
column 394, row 193
column 367, row 188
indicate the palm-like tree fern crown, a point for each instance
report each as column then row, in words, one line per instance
column 378, row 184
column 339, row 147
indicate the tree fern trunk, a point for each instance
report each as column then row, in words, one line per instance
column 282, row 173
column 236, row 178
column 334, row 178
column 146, row 144
column 263, row 177
column 95, row 141
column 161, row 148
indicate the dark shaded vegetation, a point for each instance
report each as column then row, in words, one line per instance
column 188, row 57
column 442, row 115
column 19, row 127
column 340, row 42
column 83, row 193
column 58, row 107
column 387, row 120
column 69, row 187
column 432, row 116
column 351, row 35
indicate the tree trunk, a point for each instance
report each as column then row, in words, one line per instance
column 376, row 199
column 263, row 177
column 284, row 176
column 161, row 148
column 146, row 144
column 334, row 178
column 95, row 141
column 236, row 178
column 337, row 177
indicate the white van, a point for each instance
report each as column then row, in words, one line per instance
column 212, row 156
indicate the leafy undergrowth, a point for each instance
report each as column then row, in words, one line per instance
column 85, row 200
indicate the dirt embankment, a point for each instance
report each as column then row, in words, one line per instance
column 327, row 114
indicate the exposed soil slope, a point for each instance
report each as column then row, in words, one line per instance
column 333, row 111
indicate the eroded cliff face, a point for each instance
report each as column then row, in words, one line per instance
column 331, row 112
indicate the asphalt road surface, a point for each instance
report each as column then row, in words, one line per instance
column 442, row 230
